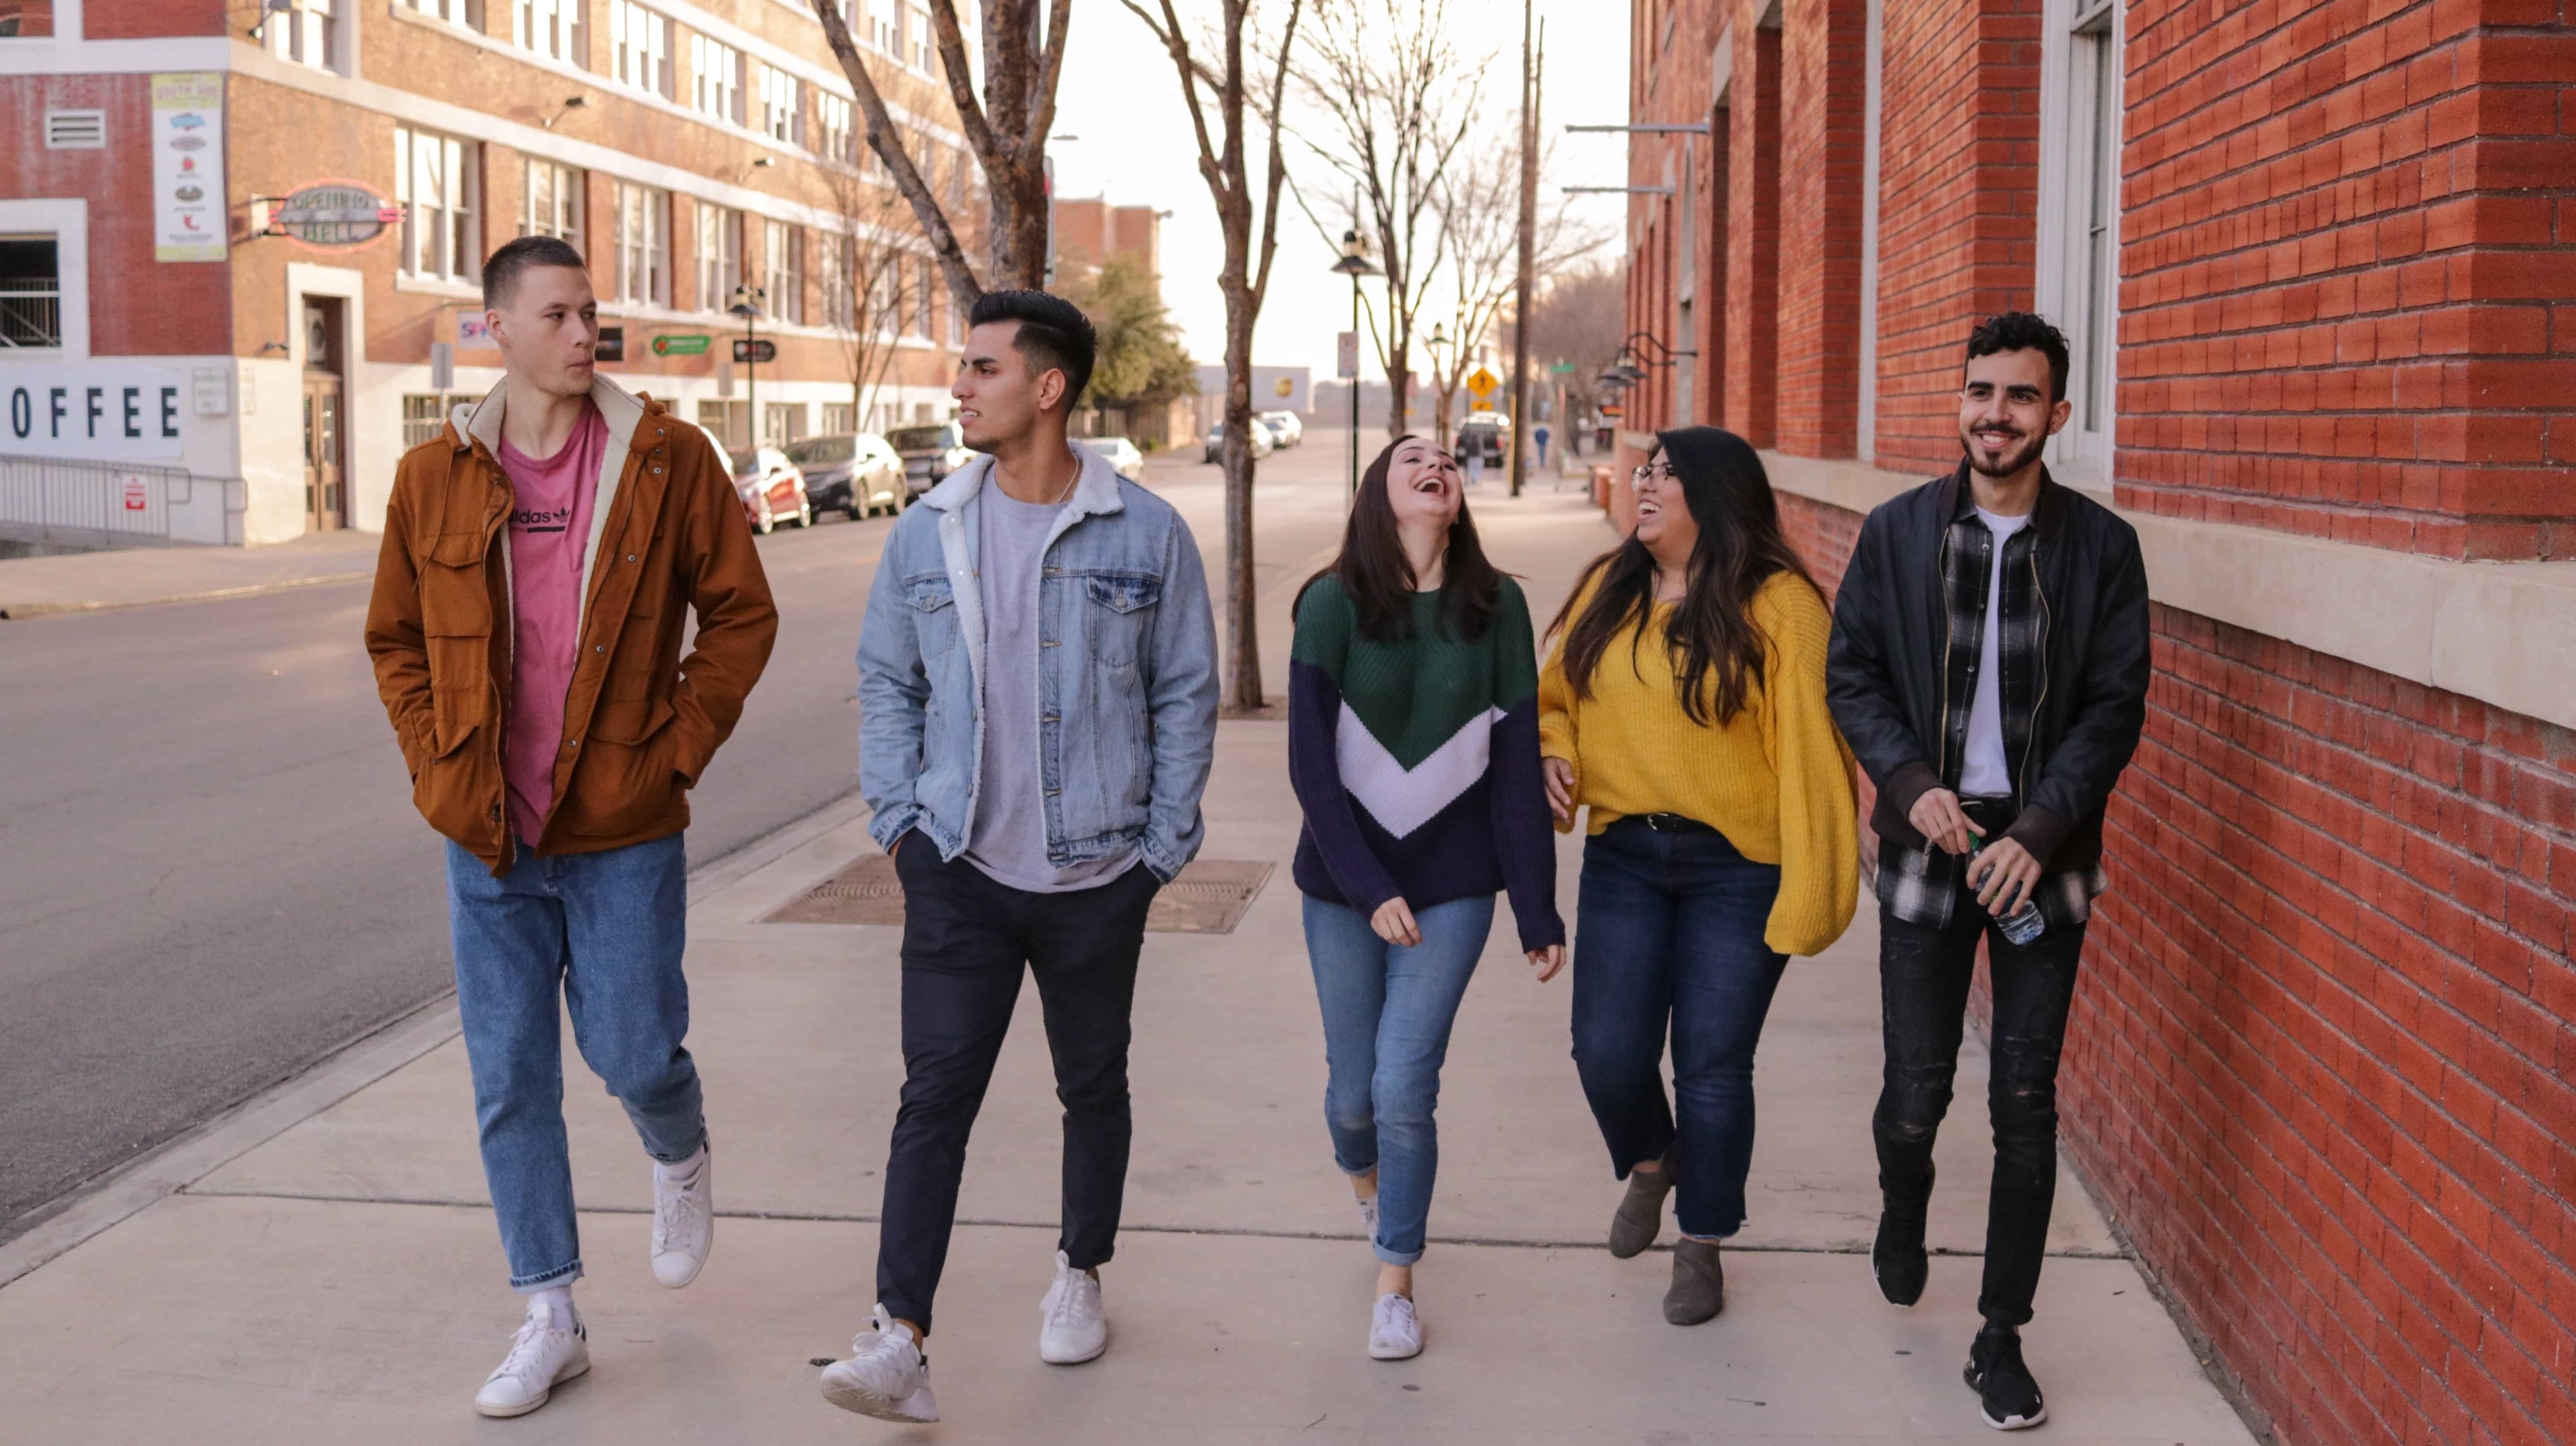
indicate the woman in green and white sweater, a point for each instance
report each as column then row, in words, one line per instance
column 1413, row 747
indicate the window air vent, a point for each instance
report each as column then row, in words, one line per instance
column 75, row 130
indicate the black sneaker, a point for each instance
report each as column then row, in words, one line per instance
column 2007, row 1396
column 1896, row 1258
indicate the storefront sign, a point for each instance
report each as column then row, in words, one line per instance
column 682, row 344
column 92, row 411
column 759, row 350
column 335, row 215
column 473, row 332
column 188, row 168
column 612, row 345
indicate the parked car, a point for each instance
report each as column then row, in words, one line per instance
column 855, row 472
column 929, row 453
column 771, row 488
column 1259, row 437
column 1122, row 454
column 1487, row 434
column 1286, row 428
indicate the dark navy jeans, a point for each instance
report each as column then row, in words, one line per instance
column 1669, row 940
column 603, row 932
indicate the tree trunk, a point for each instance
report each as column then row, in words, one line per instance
column 1399, row 389
column 1242, row 627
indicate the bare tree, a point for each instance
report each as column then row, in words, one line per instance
column 1394, row 97
column 1239, row 96
column 1578, row 319
column 872, row 273
column 1480, row 219
column 1006, row 130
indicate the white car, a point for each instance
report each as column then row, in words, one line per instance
column 1258, row 436
column 1286, row 430
column 1122, row 454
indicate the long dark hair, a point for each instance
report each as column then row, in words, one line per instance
column 1718, row 654
column 1378, row 578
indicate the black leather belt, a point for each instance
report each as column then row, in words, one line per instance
column 1671, row 823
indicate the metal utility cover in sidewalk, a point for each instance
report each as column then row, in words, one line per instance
column 1209, row 897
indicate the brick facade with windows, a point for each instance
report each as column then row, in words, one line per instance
column 2319, row 1069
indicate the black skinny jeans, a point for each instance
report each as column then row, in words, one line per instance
column 965, row 939
column 1923, row 988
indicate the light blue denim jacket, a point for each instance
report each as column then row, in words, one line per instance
column 1127, row 679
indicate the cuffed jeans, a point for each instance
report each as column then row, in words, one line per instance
column 1387, row 1011
column 965, row 941
column 1668, row 933
column 1923, row 976
column 604, row 932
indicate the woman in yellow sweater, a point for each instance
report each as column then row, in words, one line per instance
column 1683, row 702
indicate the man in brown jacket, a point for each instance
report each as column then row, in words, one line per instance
column 525, row 628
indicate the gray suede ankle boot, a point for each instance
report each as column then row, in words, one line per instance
column 1640, row 1216
column 1698, row 1291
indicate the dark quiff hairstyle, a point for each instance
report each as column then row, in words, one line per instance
column 1054, row 335
column 502, row 268
column 2021, row 331
column 1718, row 652
column 1378, row 578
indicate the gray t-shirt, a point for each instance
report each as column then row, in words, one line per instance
column 1009, row 841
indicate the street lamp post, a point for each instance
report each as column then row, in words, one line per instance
column 1438, row 345
column 746, row 304
column 1355, row 264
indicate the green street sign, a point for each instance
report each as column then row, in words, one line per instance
column 1562, row 367
column 683, row 344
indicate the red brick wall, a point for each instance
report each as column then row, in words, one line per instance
column 1753, row 239
column 1958, row 195
column 2319, row 1063
column 2346, row 283
column 140, row 19
column 1823, row 100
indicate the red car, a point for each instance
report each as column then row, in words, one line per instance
column 771, row 487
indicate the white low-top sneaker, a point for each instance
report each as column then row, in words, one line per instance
column 684, row 1217
column 1395, row 1332
column 1070, row 1327
column 886, row 1375
column 540, row 1359
column 1368, row 1219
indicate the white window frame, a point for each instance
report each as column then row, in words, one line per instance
column 560, row 214
column 885, row 26
column 836, row 127
column 782, row 104
column 306, row 34
column 838, row 417
column 464, row 14
column 67, row 221
column 923, row 54
column 641, row 220
column 438, row 241
column 715, row 79
column 639, row 40
column 924, row 283
column 719, row 255
column 832, row 271
column 783, row 270
column 555, row 29
column 2082, row 65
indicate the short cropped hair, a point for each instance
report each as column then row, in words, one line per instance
column 2022, row 331
column 502, row 268
column 1053, row 334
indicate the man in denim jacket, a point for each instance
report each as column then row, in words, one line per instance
column 1038, row 681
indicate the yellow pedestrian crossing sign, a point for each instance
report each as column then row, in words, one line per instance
column 1481, row 383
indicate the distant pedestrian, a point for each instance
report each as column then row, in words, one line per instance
column 1413, row 748
column 1038, row 693
column 1683, row 702
column 1539, row 434
column 539, row 554
column 1475, row 450
column 1995, row 723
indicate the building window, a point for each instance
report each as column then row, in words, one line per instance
column 839, row 140
column 715, row 79
column 782, row 106
column 308, row 32
column 785, row 272
column 921, row 299
column 641, row 41
column 551, row 28
column 885, row 26
column 2079, row 267
column 924, row 47
column 31, row 291
column 554, row 202
column 730, row 421
column 467, row 13
column 424, row 413
column 839, row 417
column 643, row 219
column 26, row 21
column 719, row 255
column 435, row 182
column 781, row 422
column 832, row 270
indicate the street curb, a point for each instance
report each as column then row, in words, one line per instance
column 24, row 612
column 172, row 1167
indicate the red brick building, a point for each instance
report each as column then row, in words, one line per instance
column 2317, row 261
column 171, row 329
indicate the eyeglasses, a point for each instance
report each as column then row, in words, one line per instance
column 1659, row 471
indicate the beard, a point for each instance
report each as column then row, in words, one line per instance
column 2013, row 460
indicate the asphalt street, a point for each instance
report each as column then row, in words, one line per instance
column 210, row 871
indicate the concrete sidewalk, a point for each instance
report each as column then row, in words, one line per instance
column 137, row 576
column 340, row 1280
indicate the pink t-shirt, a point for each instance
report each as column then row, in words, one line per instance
column 549, row 533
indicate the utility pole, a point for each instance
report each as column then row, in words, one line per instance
column 1529, row 227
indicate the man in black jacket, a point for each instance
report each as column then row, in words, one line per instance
column 1989, row 666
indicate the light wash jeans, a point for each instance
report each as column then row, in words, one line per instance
column 606, row 929
column 1387, row 1012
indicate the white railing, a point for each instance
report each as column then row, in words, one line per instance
column 31, row 313
column 89, row 504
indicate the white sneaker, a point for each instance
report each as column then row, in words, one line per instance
column 540, row 1359
column 1395, row 1332
column 1070, row 1327
column 886, row 1375
column 684, row 1218
column 1368, row 1219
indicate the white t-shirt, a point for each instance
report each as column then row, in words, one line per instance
column 1983, row 770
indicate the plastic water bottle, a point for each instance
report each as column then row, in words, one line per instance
column 2023, row 924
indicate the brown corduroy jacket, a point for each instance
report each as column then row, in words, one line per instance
column 640, row 721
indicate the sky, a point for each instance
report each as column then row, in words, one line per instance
column 1134, row 145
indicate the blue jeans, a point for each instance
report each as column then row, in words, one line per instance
column 606, row 930
column 1387, row 1012
column 1669, row 933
